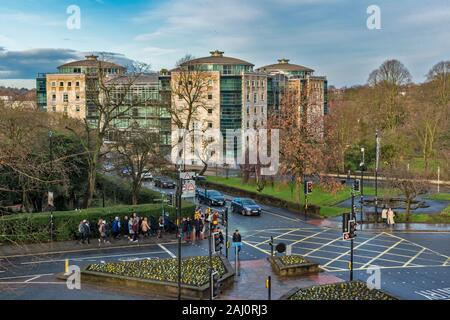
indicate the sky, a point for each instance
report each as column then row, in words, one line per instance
column 329, row 36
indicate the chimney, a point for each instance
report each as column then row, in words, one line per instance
column 92, row 57
column 216, row 53
column 283, row 61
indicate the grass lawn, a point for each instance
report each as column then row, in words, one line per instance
column 326, row 200
column 439, row 196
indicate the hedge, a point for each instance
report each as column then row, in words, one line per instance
column 34, row 227
column 120, row 190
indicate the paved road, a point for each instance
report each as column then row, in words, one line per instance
column 412, row 265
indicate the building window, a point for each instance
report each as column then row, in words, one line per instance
column 255, row 98
column 254, row 124
column 255, row 110
column 54, row 109
column 180, row 97
column 77, row 70
column 77, row 83
column 135, row 112
column 78, row 108
column 210, row 111
column 78, row 97
column 248, row 97
column 210, row 97
column 227, row 69
column 53, row 83
column 248, row 125
column 61, row 84
column 65, row 97
column 65, row 109
column 69, row 84
column 54, row 97
column 262, row 96
column 248, row 110
column 210, row 125
column 253, row 83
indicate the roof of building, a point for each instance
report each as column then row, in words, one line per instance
column 284, row 65
column 91, row 61
column 217, row 57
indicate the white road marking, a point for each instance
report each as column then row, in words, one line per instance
column 139, row 245
column 348, row 251
column 95, row 257
column 167, row 250
column 381, row 254
column 27, row 276
column 31, row 279
column 414, row 257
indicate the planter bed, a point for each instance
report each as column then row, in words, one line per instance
column 293, row 265
column 350, row 290
column 160, row 275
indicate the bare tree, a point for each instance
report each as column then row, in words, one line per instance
column 189, row 92
column 139, row 151
column 389, row 80
column 109, row 97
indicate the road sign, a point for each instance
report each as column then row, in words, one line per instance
column 187, row 175
column 188, row 190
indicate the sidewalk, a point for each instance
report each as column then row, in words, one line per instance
column 251, row 284
column 11, row 250
column 398, row 227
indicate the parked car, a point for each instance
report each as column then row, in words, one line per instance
column 210, row 197
column 164, row 183
column 147, row 176
column 245, row 206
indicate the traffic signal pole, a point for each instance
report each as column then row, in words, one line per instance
column 178, row 217
column 351, row 259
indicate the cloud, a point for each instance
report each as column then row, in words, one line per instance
column 26, row 64
column 156, row 51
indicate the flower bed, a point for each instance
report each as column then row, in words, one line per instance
column 351, row 290
column 194, row 270
column 291, row 260
column 160, row 276
column 293, row 265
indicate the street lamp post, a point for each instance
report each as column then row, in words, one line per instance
column 362, row 186
column 50, row 136
column 377, row 156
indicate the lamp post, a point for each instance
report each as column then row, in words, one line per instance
column 377, row 159
column 362, row 186
column 50, row 136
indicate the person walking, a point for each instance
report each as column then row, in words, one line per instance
column 102, row 231
column 126, row 229
column 145, row 228
column 384, row 214
column 237, row 240
column 390, row 217
column 87, row 231
column 198, row 226
column 116, row 227
column 160, row 227
column 81, row 231
column 135, row 228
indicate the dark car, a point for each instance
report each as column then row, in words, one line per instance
column 164, row 183
column 210, row 197
column 245, row 206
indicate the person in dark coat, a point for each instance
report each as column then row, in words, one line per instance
column 237, row 240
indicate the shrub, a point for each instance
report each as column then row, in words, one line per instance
column 35, row 227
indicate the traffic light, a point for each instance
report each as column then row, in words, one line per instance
column 224, row 217
column 357, row 185
column 216, row 243
column 352, row 228
column 308, row 187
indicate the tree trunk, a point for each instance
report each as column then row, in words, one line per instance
column 408, row 210
column 135, row 196
column 205, row 167
column 92, row 175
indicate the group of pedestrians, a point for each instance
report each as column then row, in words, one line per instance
column 387, row 215
column 132, row 228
